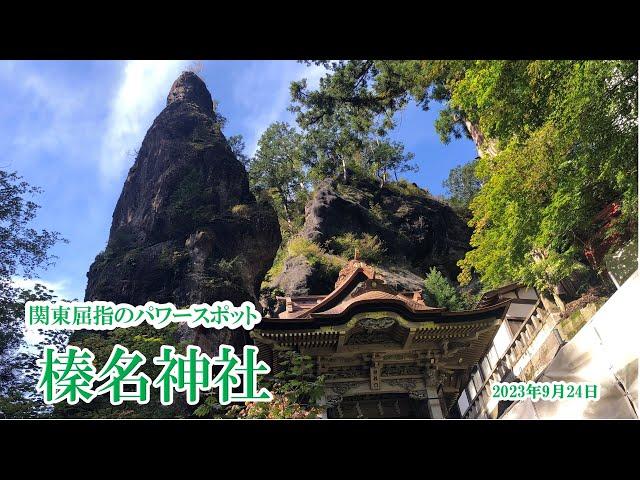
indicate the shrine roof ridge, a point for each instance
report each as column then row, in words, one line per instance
column 358, row 289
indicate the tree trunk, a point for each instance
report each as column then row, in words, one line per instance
column 383, row 179
column 344, row 168
column 483, row 145
column 285, row 205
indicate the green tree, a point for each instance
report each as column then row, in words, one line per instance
column 278, row 168
column 296, row 390
column 557, row 142
column 331, row 148
column 19, row 372
column 237, row 145
column 369, row 92
column 462, row 184
column 370, row 247
column 439, row 292
column 23, row 251
column 343, row 137
column 382, row 156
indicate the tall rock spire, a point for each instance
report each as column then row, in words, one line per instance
column 186, row 229
column 188, row 87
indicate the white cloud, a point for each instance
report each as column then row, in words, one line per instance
column 144, row 85
column 59, row 287
column 56, row 97
column 47, row 116
column 269, row 84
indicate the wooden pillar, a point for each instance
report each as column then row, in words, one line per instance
column 434, row 403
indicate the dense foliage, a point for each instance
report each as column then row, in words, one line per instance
column 557, row 144
column 277, row 167
column 296, row 391
column 369, row 247
column 439, row 292
column 23, row 251
column 462, row 184
column 557, row 139
column 147, row 340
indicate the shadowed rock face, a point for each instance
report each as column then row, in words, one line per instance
column 413, row 226
column 188, row 87
column 186, row 228
column 417, row 231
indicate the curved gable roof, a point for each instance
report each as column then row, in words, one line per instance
column 377, row 297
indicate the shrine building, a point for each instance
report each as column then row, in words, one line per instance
column 383, row 353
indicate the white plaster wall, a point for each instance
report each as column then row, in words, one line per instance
column 605, row 351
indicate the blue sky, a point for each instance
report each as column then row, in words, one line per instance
column 71, row 128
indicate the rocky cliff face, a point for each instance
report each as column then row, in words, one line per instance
column 186, row 228
column 416, row 231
